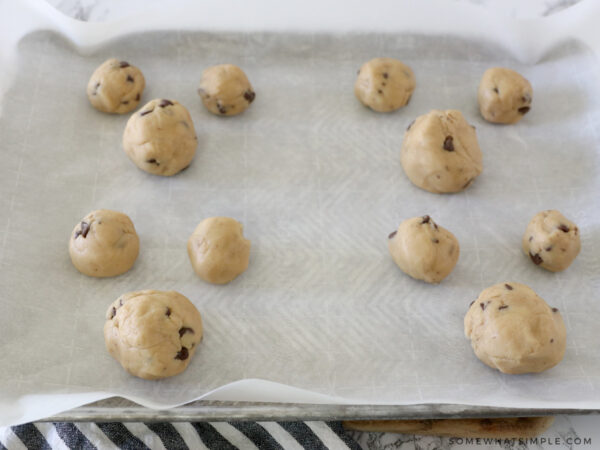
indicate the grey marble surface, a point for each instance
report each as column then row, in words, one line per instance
column 568, row 432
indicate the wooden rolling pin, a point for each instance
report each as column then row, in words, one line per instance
column 501, row 428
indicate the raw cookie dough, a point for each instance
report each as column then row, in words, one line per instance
column 384, row 84
column 423, row 249
column 225, row 90
column 116, row 87
column 153, row 334
column 104, row 244
column 515, row 331
column 160, row 137
column 440, row 152
column 218, row 250
column 504, row 95
column 551, row 241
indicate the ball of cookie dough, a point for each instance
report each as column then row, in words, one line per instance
column 153, row 334
column 160, row 137
column 218, row 250
column 504, row 95
column 104, row 244
column 423, row 249
column 440, row 152
column 513, row 330
column 116, row 87
column 384, row 84
column 225, row 90
column 551, row 241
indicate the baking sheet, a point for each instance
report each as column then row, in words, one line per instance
column 322, row 314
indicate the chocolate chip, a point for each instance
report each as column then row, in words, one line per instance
column 164, row 103
column 410, row 125
column 83, row 231
column 435, row 226
column 449, row 144
column 526, row 98
column 554, row 309
column 123, row 64
column 249, row 96
column 184, row 330
column 120, row 302
column 508, row 286
column 426, row 219
column 129, row 78
column 503, row 307
column 96, row 89
column 384, row 83
column 524, row 109
column 548, row 248
column 168, row 312
column 551, row 341
column 483, row 305
column 379, row 91
column 385, row 75
column 537, row 259
column 113, row 313
column 126, row 102
column 496, row 90
column 182, row 354
column 563, row 227
column 137, row 98
column 530, row 238
column 143, row 113
column 221, row 108
column 153, row 161
column 392, row 234
column 435, row 241
column 471, row 304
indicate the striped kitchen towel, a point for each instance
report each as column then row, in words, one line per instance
column 177, row 435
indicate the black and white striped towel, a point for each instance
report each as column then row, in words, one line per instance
column 182, row 435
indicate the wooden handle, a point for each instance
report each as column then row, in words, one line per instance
column 504, row 428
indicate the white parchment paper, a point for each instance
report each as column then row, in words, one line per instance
column 316, row 180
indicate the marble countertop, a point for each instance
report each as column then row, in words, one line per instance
column 568, row 432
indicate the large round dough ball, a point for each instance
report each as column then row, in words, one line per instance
column 153, row 334
column 513, row 330
column 384, row 84
column 440, row 152
column 218, row 250
column 116, row 87
column 225, row 90
column 551, row 241
column 104, row 244
column 160, row 137
column 423, row 249
column 504, row 95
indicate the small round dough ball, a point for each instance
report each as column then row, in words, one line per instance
column 513, row 330
column 153, row 334
column 440, row 152
column 225, row 90
column 504, row 95
column 384, row 84
column 104, row 244
column 423, row 249
column 116, row 87
column 551, row 241
column 160, row 137
column 218, row 250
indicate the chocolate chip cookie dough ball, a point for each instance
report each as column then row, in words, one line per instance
column 116, row 87
column 423, row 249
column 225, row 90
column 513, row 330
column 104, row 244
column 440, row 152
column 218, row 250
column 160, row 137
column 384, row 84
column 551, row 241
column 504, row 95
column 153, row 334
